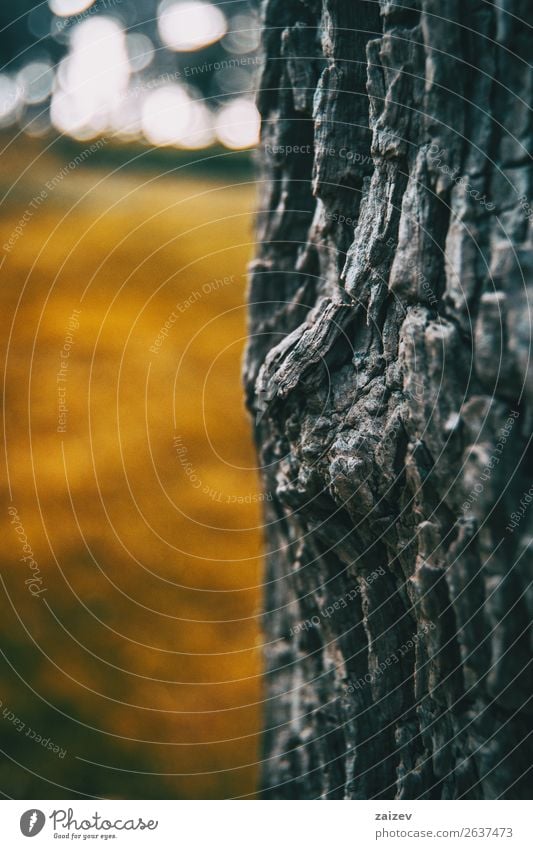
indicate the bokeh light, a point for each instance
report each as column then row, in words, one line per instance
column 140, row 50
column 165, row 115
column 243, row 36
column 92, row 79
column 188, row 25
column 65, row 8
column 36, row 81
column 101, row 68
column 10, row 100
column 238, row 124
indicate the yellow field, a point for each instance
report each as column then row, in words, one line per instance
column 130, row 631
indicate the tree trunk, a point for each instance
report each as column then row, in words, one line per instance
column 388, row 374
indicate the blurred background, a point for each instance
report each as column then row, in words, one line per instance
column 130, row 660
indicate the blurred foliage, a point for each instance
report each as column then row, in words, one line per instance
column 140, row 660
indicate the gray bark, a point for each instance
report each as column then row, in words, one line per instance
column 388, row 375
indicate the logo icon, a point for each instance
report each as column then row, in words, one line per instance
column 32, row 822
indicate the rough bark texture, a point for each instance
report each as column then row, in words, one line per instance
column 388, row 374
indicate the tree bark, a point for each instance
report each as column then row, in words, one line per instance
column 388, row 375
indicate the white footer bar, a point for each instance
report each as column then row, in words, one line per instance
column 266, row 825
